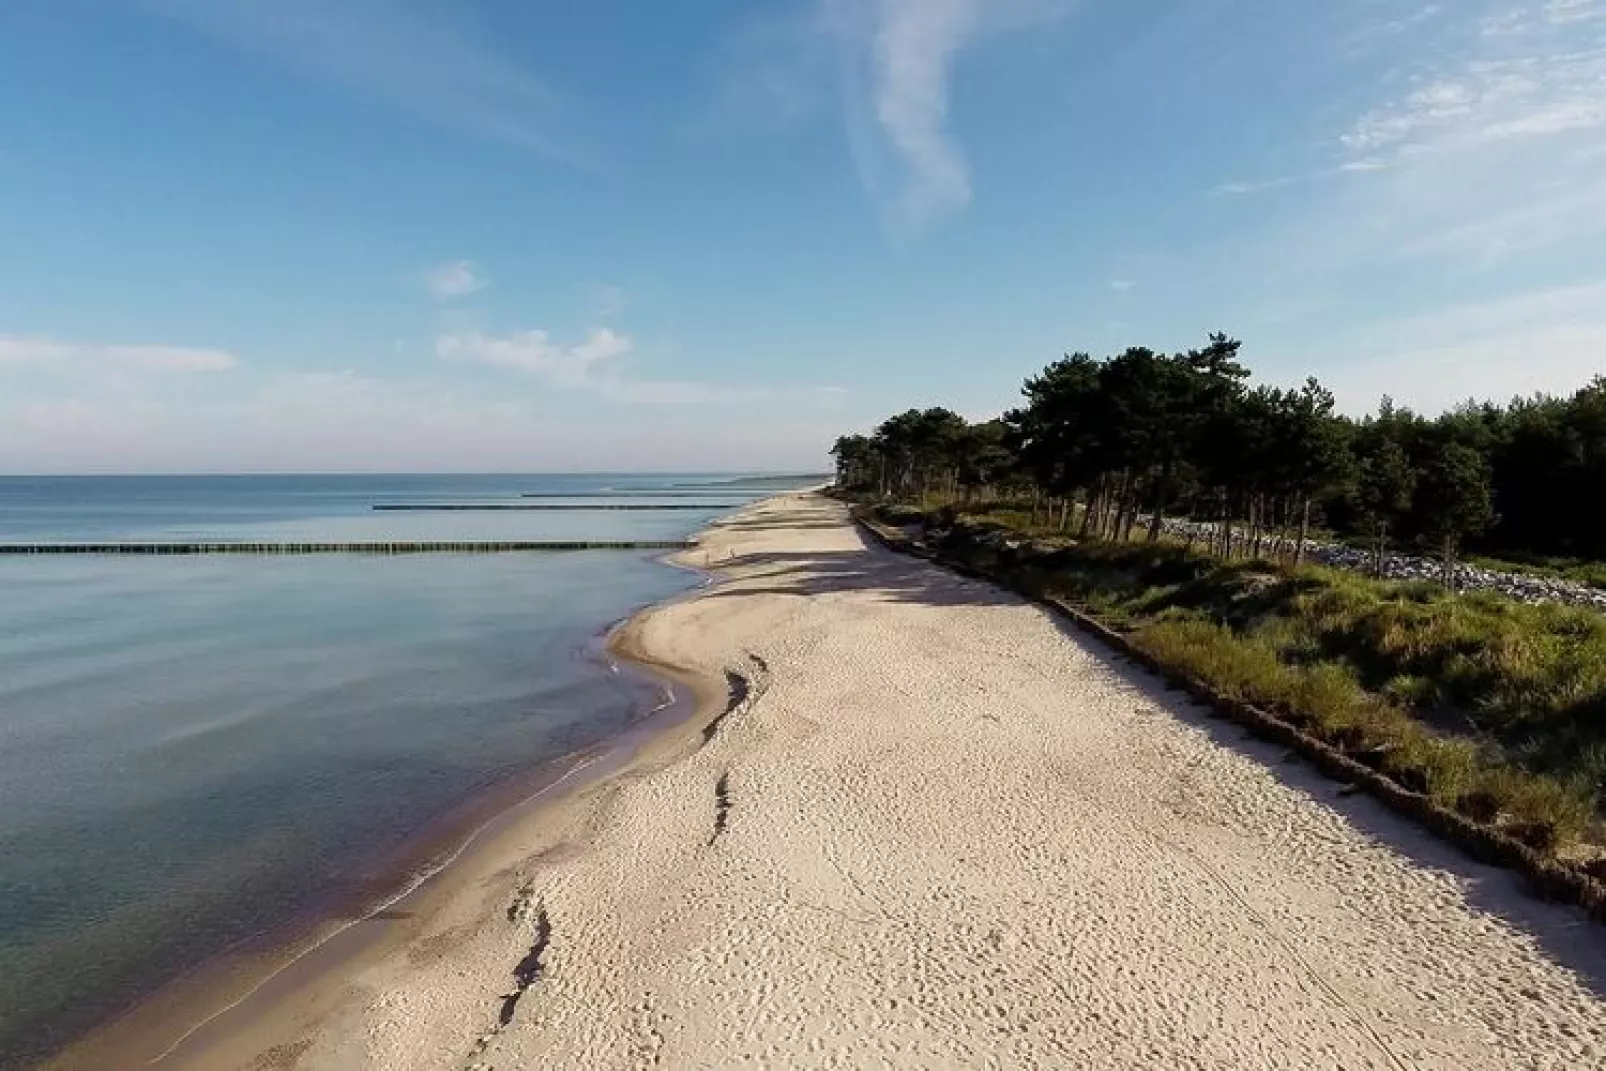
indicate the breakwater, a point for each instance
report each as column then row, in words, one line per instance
column 637, row 494
column 370, row 547
column 495, row 507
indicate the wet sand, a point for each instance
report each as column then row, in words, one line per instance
column 916, row 823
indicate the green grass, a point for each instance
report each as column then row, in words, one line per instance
column 1487, row 705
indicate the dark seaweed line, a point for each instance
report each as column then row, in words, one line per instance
column 722, row 805
column 528, row 970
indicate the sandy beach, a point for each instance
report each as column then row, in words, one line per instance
column 917, row 823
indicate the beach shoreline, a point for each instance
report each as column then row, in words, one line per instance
column 916, row 821
column 270, row 980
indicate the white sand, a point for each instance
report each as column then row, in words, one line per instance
column 957, row 836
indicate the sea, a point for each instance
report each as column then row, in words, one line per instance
column 196, row 751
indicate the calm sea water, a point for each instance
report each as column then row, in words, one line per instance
column 195, row 750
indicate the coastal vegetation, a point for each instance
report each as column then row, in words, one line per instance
column 1128, row 441
column 1170, row 499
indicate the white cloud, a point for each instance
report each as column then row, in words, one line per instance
column 56, row 356
column 535, row 352
column 900, row 56
column 455, row 279
column 1122, row 285
column 1568, row 11
column 1512, row 73
column 594, row 366
column 913, row 54
column 1240, row 188
column 1539, row 89
column 343, row 421
column 895, row 61
column 1480, row 152
column 1407, row 22
column 425, row 59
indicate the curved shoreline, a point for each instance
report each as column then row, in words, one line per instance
column 176, row 1024
column 946, row 829
column 953, row 831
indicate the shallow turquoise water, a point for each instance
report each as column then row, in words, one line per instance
column 195, row 750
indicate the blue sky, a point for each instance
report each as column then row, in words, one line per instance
column 507, row 235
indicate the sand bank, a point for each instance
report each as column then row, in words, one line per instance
column 921, row 825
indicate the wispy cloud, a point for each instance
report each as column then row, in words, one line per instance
column 899, row 61
column 1533, row 93
column 911, row 54
column 52, row 355
column 425, row 59
column 1479, row 150
column 1241, row 188
column 1349, row 167
column 344, row 421
column 1122, row 285
column 535, row 352
column 455, row 279
column 1562, row 12
column 595, row 365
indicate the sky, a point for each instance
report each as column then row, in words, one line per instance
column 536, row 235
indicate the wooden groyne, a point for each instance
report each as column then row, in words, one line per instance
column 636, row 494
column 384, row 547
column 490, row 507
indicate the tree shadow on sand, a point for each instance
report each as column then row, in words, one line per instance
column 869, row 568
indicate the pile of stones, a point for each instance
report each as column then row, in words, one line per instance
column 1524, row 587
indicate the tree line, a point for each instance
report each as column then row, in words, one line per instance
column 1111, row 448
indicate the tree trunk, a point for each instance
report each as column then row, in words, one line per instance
column 1110, row 522
column 1219, row 536
column 1162, row 492
column 1449, row 562
column 1304, row 532
column 1284, row 517
column 1131, row 512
